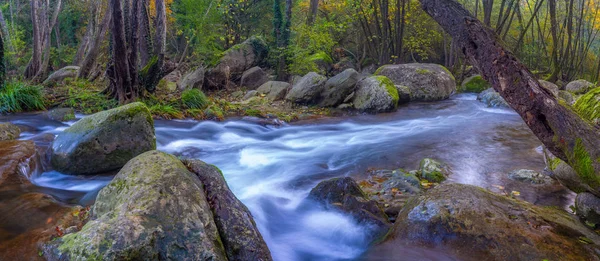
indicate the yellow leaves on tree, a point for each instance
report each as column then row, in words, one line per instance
column 168, row 3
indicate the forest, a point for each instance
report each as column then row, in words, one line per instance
column 300, row 130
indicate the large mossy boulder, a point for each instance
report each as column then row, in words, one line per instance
column 9, row 131
column 308, row 89
column 475, row 84
column 61, row 74
column 154, row 209
column 18, row 159
column 237, row 229
column 588, row 106
column 375, row 94
column 235, row 61
column 344, row 194
column 474, row 224
column 274, row 90
column 104, row 141
column 491, row 98
column 338, row 87
column 579, row 86
column 427, row 82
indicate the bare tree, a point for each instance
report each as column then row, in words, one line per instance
column 42, row 26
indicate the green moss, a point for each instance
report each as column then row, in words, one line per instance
column 378, row 71
column 553, row 163
column 475, row 84
column 389, row 86
column 448, row 71
column 253, row 113
column 423, row 71
column 166, row 112
column 588, row 106
column 581, row 162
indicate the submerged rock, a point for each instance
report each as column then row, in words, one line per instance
column 475, row 224
column 491, row 98
column 338, row 87
column 475, row 84
column 375, row 94
column 308, row 89
column 9, row 131
column 433, row 170
column 61, row 114
column 427, row 82
column 579, row 86
column 345, row 195
column 587, row 207
column 104, row 141
column 529, row 176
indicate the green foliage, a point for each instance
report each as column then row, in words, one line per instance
column 311, row 44
column 475, row 84
column 166, row 112
column 83, row 97
column 18, row 97
column 588, row 106
column 194, row 99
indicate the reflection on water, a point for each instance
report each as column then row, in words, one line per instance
column 272, row 169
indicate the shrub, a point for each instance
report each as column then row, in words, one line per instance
column 18, row 97
column 194, row 99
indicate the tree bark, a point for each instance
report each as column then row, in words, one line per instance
column 120, row 78
column 36, row 58
column 312, row 12
column 553, row 31
column 563, row 132
column 488, row 5
column 94, row 47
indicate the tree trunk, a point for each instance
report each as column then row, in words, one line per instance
column 312, row 12
column 563, row 132
column 94, row 47
column 120, row 78
column 36, row 58
column 488, row 5
column 553, row 30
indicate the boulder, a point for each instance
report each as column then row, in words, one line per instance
column 343, row 194
column 403, row 94
column 492, row 99
column 192, row 80
column 375, row 94
column 338, row 87
column 427, row 82
column 61, row 114
column 63, row 73
column 553, row 88
column 274, row 90
column 587, row 207
column 9, row 131
column 432, row 170
column 471, row 223
column 579, row 86
column 308, row 89
column 237, row 229
column 529, row 176
column 154, row 209
column 475, row 84
column 250, row 94
column 18, row 159
column 235, row 61
column 566, row 96
column 253, row 78
column 104, row 141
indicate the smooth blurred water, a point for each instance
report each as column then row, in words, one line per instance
column 272, row 169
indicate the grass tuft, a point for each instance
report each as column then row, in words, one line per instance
column 19, row 97
column 194, row 99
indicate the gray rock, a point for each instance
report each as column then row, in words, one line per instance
column 104, row 141
column 475, row 84
column 9, row 131
column 61, row 114
column 403, row 94
column 192, row 80
column 274, row 90
column 250, row 94
column 567, row 97
column 432, row 170
column 492, row 99
column 553, row 88
column 470, row 223
column 338, row 87
column 63, row 73
column 238, row 231
column 529, row 176
column 154, row 209
column 587, row 207
column 579, row 86
column 375, row 94
column 308, row 89
column 427, row 82
column 253, row 78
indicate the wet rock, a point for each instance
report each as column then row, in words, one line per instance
column 475, row 84
column 579, row 86
column 9, row 131
column 308, row 89
column 61, row 114
column 18, row 159
column 345, row 195
column 237, row 229
column 250, row 94
column 192, row 80
column 588, row 208
column 375, row 94
column 104, row 141
column 253, row 78
column 492, row 99
column 433, row 170
column 274, row 90
column 338, row 87
column 154, row 209
column 427, row 82
column 553, row 88
column 63, row 73
column 475, row 224
column 529, row 176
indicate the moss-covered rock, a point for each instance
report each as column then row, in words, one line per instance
column 376, row 94
column 579, row 86
column 104, row 141
column 433, row 170
column 308, row 89
column 529, row 176
column 427, row 82
column 475, row 84
column 566, row 96
column 154, row 209
column 588, row 106
column 9, row 131
column 61, row 114
column 470, row 223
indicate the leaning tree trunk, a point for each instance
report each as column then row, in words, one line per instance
column 563, row 132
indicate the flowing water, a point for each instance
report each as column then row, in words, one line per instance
column 272, row 169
